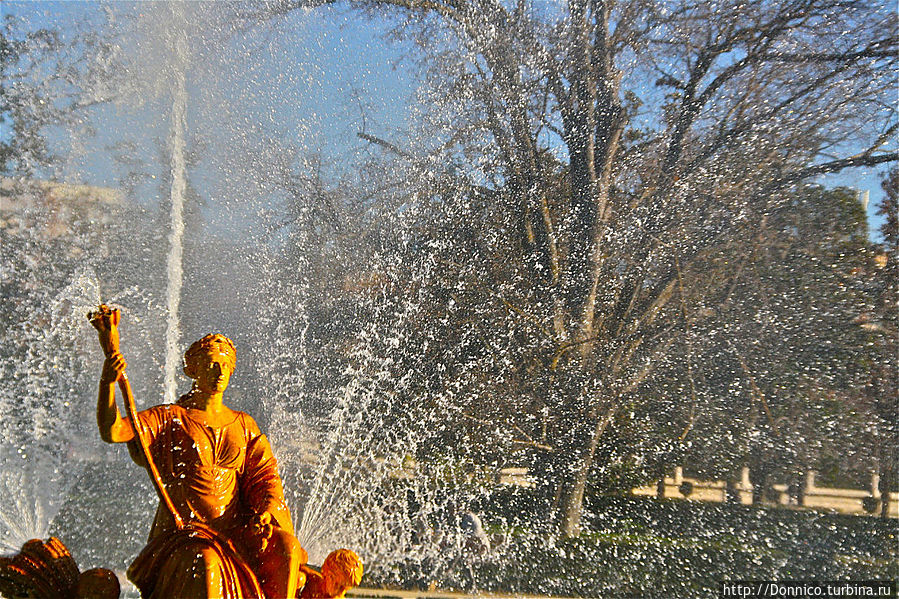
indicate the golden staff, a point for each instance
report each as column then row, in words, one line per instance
column 106, row 321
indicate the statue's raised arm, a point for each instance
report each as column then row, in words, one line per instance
column 113, row 428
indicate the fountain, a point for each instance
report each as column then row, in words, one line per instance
column 457, row 385
column 317, row 486
column 180, row 60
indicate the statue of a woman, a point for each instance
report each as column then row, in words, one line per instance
column 235, row 539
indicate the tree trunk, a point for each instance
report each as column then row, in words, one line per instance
column 571, row 510
column 571, row 506
column 888, row 476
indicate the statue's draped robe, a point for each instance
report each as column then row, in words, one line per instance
column 217, row 479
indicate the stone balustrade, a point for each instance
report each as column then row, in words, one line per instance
column 847, row 501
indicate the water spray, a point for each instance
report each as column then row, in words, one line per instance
column 175, row 267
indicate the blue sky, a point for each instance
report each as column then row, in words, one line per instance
column 311, row 81
column 312, row 78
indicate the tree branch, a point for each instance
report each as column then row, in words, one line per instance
column 384, row 144
column 829, row 167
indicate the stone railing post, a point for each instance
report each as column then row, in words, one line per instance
column 809, row 482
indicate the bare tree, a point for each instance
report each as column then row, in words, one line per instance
column 609, row 148
column 48, row 80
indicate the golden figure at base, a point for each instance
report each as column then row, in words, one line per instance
column 222, row 527
column 46, row 570
column 341, row 571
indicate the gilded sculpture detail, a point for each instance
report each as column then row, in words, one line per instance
column 222, row 527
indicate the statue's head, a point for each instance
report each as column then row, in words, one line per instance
column 342, row 568
column 210, row 362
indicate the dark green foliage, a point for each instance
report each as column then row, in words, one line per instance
column 673, row 548
column 889, row 209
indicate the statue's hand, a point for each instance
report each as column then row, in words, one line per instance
column 261, row 529
column 262, row 525
column 113, row 367
column 106, row 321
column 104, row 318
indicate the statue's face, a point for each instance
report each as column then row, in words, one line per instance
column 213, row 372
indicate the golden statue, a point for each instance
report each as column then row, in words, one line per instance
column 222, row 527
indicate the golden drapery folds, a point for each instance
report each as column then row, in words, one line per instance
column 218, row 478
